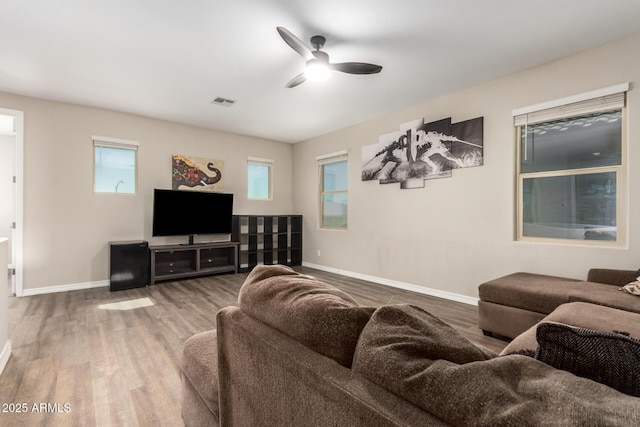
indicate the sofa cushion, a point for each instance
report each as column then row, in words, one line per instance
column 417, row 332
column 609, row 358
column 607, row 295
column 199, row 364
column 584, row 315
column 316, row 314
column 453, row 380
column 534, row 292
column 610, row 276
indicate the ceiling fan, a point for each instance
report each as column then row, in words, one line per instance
column 318, row 65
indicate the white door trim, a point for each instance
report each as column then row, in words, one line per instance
column 16, row 244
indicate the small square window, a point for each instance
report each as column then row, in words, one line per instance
column 259, row 179
column 114, row 166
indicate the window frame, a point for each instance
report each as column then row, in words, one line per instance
column 121, row 144
column 261, row 162
column 575, row 106
column 322, row 161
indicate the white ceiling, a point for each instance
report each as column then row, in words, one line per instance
column 169, row 59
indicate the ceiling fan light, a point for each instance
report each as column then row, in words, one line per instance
column 316, row 71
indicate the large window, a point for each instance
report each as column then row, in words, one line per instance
column 114, row 165
column 571, row 169
column 259, row 178
column 333, row 190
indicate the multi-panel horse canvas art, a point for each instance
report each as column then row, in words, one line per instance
column 420, row 151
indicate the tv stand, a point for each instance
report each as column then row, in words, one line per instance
column 172, row 262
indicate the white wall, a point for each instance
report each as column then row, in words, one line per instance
column 6, row 185
column 458, row 232
column 5, row 344
column 67, row 227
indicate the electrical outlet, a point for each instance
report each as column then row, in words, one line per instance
column 318, row 252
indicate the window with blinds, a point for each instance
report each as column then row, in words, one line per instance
column 334, row 178
column 114, row 165
column 571, row 172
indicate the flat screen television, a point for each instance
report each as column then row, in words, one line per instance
column 187, row 213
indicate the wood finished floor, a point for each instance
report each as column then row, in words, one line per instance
column 120, row 367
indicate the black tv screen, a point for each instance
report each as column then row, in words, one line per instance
column 179, row 213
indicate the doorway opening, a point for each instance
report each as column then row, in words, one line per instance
column 11, row 190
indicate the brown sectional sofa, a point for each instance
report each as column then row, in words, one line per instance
column 584, row 315
column 300, row 352
column 510, row 305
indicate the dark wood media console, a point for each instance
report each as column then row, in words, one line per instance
column 172, row 262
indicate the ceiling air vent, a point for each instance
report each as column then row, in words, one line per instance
column 223, row 101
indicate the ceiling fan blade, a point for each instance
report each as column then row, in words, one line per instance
column 295, row 43
column 356, row 67
column 300, row 78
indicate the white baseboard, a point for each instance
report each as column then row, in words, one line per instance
column 64, row 288
column 396, row 284
column 4, row 356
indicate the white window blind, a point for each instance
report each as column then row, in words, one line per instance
column 605, row 99
column 259, row 160
column 105, row 141
column 332, row 157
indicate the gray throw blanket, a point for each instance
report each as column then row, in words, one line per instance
column 415, row 355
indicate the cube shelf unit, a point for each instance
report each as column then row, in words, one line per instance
column 268, row 239
column 172, row 262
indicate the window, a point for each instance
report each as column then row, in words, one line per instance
column 259, row 178
column 115, row 162
column 333, row 190
column 571, row 170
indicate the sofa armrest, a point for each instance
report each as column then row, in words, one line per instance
column 610, row 276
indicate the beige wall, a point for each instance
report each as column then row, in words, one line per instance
column 451, row 235
column 67, row 227
column 458, row 232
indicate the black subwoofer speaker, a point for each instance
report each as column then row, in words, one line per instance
column 128, row 265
